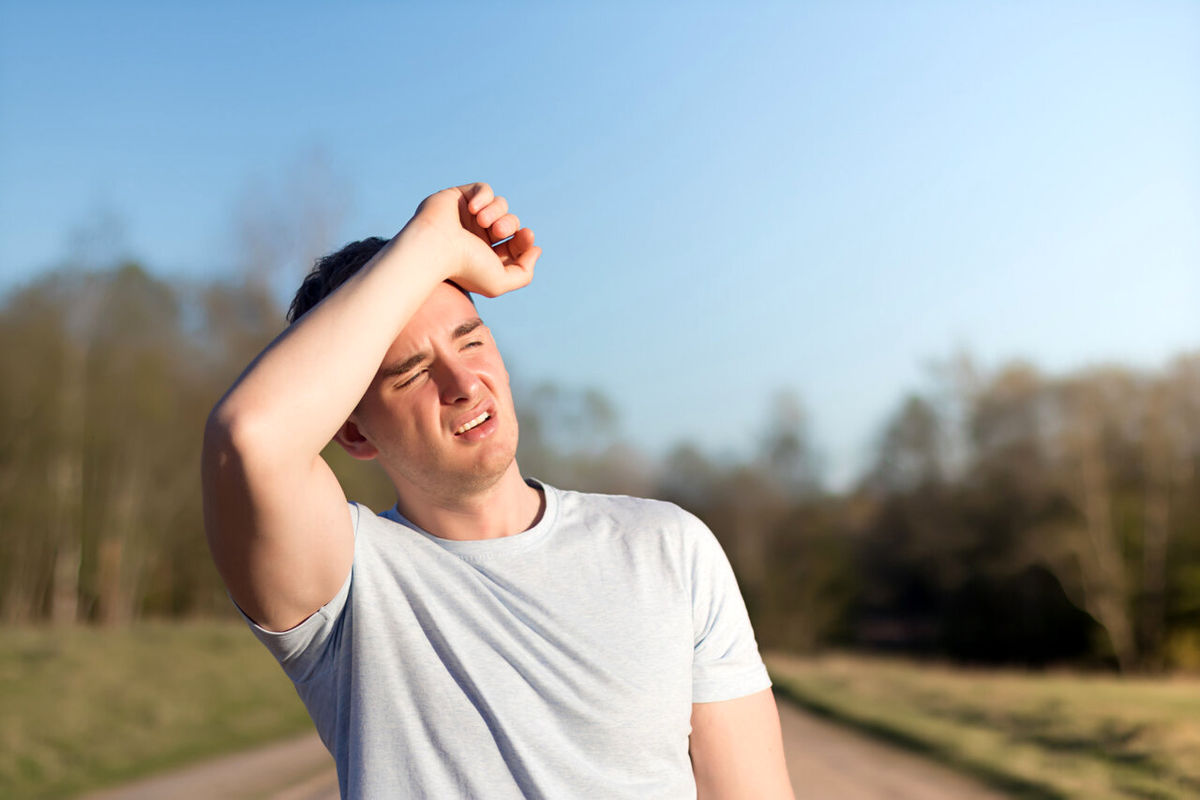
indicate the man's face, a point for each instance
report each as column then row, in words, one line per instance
column 439, row 414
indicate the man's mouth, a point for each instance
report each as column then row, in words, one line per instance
column 482, row 418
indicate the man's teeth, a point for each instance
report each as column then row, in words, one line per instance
column 467, row 426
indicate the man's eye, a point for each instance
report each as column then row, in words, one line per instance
column 411, row 380
column 473, row 344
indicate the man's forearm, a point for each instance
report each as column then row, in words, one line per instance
column 296, row 394
column 273, row 510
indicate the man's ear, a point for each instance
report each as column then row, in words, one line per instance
column 353, row 442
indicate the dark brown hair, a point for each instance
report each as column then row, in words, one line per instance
column 331, row 271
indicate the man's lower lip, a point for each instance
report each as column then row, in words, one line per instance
column 480, row 431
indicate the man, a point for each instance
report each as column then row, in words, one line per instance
column 489, row 636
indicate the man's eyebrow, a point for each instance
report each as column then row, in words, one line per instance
column 466, row 327
column 392, row 370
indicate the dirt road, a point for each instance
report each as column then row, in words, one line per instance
column 826, row 762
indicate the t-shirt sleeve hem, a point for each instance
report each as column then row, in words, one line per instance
column 295, row 649
column 326, row 613
column 731, row 688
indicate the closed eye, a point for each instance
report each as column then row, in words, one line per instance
column 412, row 380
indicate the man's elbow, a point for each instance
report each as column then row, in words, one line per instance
column 230, row 436
column 233, row 452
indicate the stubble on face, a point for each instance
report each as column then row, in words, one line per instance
column 455, row 477
column 414, row 425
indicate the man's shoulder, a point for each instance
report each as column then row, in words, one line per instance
column 573, row 498
column 628, row 513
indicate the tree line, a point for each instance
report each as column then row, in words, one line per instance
column 1008, row 516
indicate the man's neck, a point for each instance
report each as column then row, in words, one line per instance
column 508, row 507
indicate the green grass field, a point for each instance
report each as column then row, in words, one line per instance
column 1035, row 735
column 85, row 708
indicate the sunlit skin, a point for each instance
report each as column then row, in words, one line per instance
column 392, row 365
column 442, row 372
column 274, row 512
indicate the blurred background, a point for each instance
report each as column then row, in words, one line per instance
column 901, row 298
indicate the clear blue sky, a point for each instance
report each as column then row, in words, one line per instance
column 822, row 197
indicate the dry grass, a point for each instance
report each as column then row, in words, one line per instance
column 84, row 708
column 1037, row 735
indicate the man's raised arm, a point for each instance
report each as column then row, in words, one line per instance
column 274, row 513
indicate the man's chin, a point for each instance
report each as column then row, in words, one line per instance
column 485, row 471
column 458, row 473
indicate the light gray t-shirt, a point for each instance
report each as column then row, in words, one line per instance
column 561, row 662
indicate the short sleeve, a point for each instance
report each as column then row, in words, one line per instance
column 726, row 663
column 302, row 650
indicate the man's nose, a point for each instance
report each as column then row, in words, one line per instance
column 457, row 382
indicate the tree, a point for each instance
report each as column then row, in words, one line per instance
column 910, row 450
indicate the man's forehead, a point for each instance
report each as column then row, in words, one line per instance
column 413, row 347
column 444, row 305
column 444, row 309
column 431, row 327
